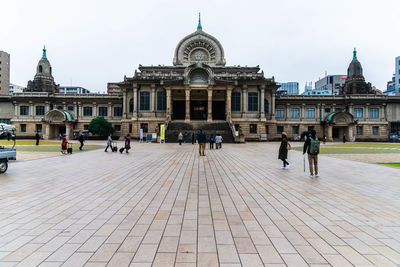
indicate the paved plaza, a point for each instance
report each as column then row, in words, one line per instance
column 163, row 205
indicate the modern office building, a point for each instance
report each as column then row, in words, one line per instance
column 15, row 88
column 288, row 88
column 4, row 73
column 332, row 83
column 73, row 90
column 397, row 76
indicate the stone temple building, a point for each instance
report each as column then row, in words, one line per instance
column 200, row 91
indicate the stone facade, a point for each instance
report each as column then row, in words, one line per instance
column 198, row 91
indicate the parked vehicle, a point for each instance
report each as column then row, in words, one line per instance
column 7, row 132
column 394, row 138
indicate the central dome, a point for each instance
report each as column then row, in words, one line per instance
column 199, row 46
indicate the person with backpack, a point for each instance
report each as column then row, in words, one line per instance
column 180, row 138
column 311, row 146
column 283, row 151
column 202, row 139
column 211, row 141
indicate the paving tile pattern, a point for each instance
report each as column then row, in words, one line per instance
column 163, row 205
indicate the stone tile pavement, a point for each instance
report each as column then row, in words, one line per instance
column 163, row 205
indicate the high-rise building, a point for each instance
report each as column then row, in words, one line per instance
column 15, row 88
column 4, row 73
column 289, row 88
column 397, row 75
column 331, row 83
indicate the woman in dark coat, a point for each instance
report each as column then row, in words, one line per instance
column 283, row 151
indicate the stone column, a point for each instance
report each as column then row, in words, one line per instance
column 382, row 112
column 244, row 99
column 287, row 109
column 94, row 110
column 47, row 107
column 16, row 109
column 31, row 109
column 187, row 103
column 329, row 134
column 322, row 114
column 209, row 104
column 303, row 111
column 350, row 109
column 47, row 131
column 64, row 106
column 262, row 113
column 110, row 112
column 228, row 103
column 272, row 105
column 124, row 101
column 169, row 109
column 152, row 98
column 366, row 118
column 80, row 111
column 135, row 101
column 350, row 133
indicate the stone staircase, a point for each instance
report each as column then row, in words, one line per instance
column 174, row 127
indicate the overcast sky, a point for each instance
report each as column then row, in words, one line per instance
column 92, row 42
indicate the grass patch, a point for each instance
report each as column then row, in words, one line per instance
column 358, row 148
column 391, row 164
column 45, row 146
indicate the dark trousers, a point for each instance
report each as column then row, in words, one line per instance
column 285, row 162
column 180, row 142
column 211, row 145
column 80, row 148
column 108, row 146
column 37, row 142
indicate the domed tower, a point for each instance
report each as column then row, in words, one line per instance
column 199, row 46
column 355, row 82
column 43, row 80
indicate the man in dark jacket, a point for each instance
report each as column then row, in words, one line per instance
column 202, row 139
column 37, row 137
column 311, row 146
column 81, row 139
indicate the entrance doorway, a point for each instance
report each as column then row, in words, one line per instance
column 62, row 130
column 178, row 110
column 218, row 110
column 198, row 110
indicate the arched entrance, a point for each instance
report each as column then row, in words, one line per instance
column 339, row 125
column 58, row 122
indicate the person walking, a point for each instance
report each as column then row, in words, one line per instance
column 202, row 139
column 211, row 141
column 344, row 138
column 283, row 151
column 81, row 139
column 64, row 144
column 180, row 138
column 127, row 143
column 109, row 142
column 37, row 137
column 219, row 140
column 185, row 135
column 193, row 138
column 311, row 146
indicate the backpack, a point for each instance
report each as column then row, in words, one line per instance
column 314, row 146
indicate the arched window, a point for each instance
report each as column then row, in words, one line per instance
column 198, row 76
column 40, row 69
column 131, row 105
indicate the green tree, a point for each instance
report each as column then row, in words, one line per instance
column 100, row 126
